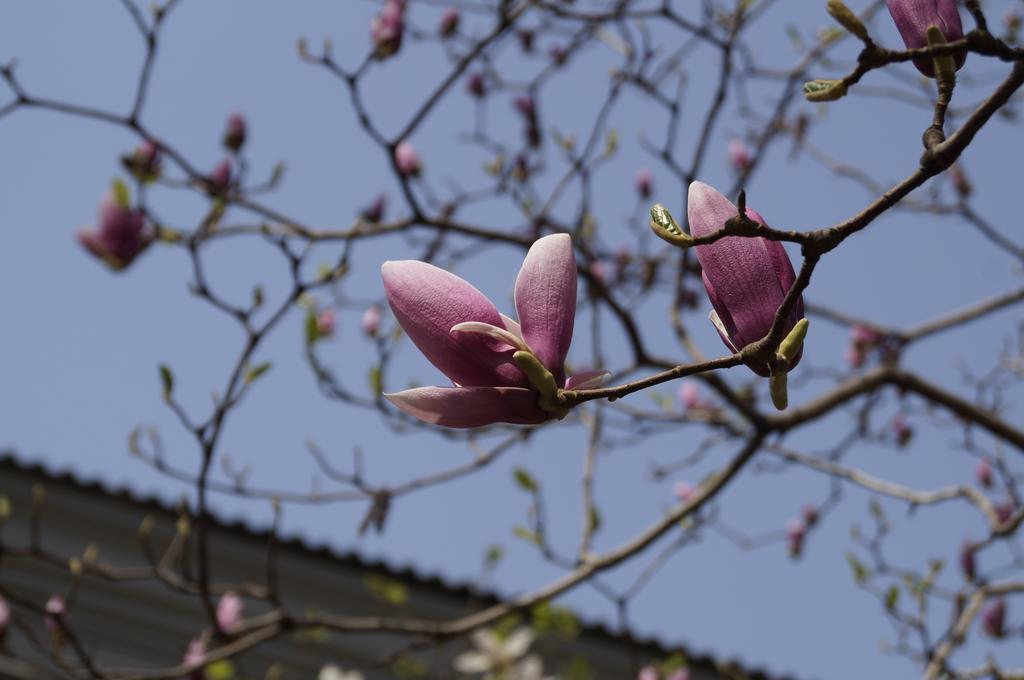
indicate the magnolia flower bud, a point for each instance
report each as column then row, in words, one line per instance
column 229, row 612
column 993, row 620
column 407, row 160
column 967, row 562
column 56, row 613
column 144, row 162
column 914, row 17
column 558, row 55
column 234, row 134
column 644, row 182
column 683, row 491
column 219, row 180
column 120, row 234
column 648, row 673
column 901, row 431
column 449, row 23
column 387, row 28
column 739, row 155
column 810, row 515
column 375, row 211
column 796, row 530
column 476, row 84
column 371, row 320
column 1004, row 511
column 526, row 40
column 195, row 654
column 689, row 395
column 326, row 322
column 984, row 474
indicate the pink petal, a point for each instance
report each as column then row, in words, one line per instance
column 587, row 380
column 546, row 300
column 469, row 406
column 427, row 301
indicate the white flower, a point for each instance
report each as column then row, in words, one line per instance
column 333, row 672
column 501, row 659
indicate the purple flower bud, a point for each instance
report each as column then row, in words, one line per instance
column 234, row 134
column 120, row 234
column 387, row 28
column 810, row 515
column 525, row 105
column 747, row 279
column 648, row 673
column 796, row 530
column 644, row 181
column 220, row 179
column 689, row 395
column 229, row 612
column 913, row 17
column 195, row 654
column 967, row 561
column 476, row 84
column 863, row 335
column 683, row 491
column 1004, row 511
column 56, row 613
column 901, row 430
column 558, row 55
column 144, row 162
column 526, row 40
column 984, row 474
column 739, row 155
column 375, row 211
column 961, row 184
column 407, row 159
column 371, row 320
column 993, row 620
column 449, row 22
column 326, row 322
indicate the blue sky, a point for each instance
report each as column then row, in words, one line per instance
column 81, row 345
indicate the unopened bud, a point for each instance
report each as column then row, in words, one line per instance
column 847, row 19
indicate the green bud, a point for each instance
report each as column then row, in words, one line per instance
column 846, row 18
column 778, row 386
column 537, row 373
column 667, row 229
column 824, row 90
column 945, row 65
column 791, row 344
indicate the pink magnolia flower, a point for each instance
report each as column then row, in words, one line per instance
column 387, row 28
column 993, row 620
column 229, row 612
column 644, row 181
column 220, row 179
column 484, row 352
column 984, row 474
column 407, row 159
column 234, row 134
column 913, row 17
column 120, row 234
column 739, row 155
column 449, row 22
column 371, row 320
column 746, row 278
